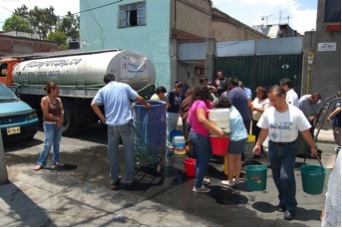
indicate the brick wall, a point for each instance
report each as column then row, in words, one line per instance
column 10, row 45
column 194, row 17
column 197, row 17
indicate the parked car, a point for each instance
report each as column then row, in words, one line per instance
column 17, row 119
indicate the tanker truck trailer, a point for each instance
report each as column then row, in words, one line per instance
column 79, row 77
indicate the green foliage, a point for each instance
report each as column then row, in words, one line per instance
column 22, row 11
column 70, row 25
column 58, row 37
column 16, row 23
column 45, row 23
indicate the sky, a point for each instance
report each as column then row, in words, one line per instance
column 299, row 14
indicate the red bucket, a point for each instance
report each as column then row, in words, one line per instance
column 219, row 145
column 189, row 165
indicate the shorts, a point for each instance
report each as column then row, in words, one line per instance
column 237, row 147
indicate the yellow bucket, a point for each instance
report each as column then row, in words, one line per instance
column 251, row 138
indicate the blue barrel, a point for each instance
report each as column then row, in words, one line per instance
column 150, row 125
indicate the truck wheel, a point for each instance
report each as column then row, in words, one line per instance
column 70, row 126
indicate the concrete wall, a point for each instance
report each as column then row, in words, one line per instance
column 99, row 31
column 225, row 31
column 324, row 75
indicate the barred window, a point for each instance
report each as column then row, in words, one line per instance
column 132, row 15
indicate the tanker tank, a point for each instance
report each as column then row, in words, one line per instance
column 87, row 70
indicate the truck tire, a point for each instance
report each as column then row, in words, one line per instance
column 70, row 126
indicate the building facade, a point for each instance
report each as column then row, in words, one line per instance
column 322, row 61
column 158, row 29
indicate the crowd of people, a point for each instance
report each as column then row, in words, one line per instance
column 276, row 114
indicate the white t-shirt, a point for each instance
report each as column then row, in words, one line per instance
column 283, row 127
column 292, row 97
column 257, row 103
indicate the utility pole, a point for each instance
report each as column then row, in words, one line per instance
column 3, row 168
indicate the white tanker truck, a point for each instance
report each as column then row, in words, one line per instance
column 79, row 77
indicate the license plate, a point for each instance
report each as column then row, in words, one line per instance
column 13, row 130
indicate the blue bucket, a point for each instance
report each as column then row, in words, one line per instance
column 150, row 125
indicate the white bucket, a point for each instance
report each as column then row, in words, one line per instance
column 221, row 118
column 328, row 160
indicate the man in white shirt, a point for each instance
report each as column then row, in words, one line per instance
column 281, row 123
column 291, row 95
column 310, row 105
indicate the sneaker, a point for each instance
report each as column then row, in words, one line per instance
column 289, row 215
column 229, row 184
column 201, row 189
column 237, row 181
column 116, row 182
column 132, row 183
column 114, row 185
column 206, row 181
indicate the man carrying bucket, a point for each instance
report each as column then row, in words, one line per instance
column 281, row 124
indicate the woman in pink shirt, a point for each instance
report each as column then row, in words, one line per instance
column 199, row 134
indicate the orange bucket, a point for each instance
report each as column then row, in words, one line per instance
column 219, row 145
column 189, row 165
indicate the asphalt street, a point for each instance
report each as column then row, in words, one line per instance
column 80, row 194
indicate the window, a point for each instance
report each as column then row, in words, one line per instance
column 132, row 15
column 333, row 11
column 3, row 69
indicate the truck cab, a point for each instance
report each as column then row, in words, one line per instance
column 6, row 69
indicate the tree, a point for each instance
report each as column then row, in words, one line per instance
column 22, row 11
column 59, row 38
column 70, row 25
column 43, row 21
column 16, row 23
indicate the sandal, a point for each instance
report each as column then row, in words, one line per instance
column 58, row 164
column 37, row 168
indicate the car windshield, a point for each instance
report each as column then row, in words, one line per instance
column 6, row 94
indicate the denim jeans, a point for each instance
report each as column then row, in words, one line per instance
column 125, row 132
column 282, row 161
column 53, row 137
column 202, row 149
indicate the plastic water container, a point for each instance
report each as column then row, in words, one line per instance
column 313, row 177
column 174, row 133
column 219, row 145
column 179, row 144
column 151, row 126
column 328, row 160
column 221, row 118
column 256, row 177
column 189, row 165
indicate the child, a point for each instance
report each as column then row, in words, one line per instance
column 238, row 139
